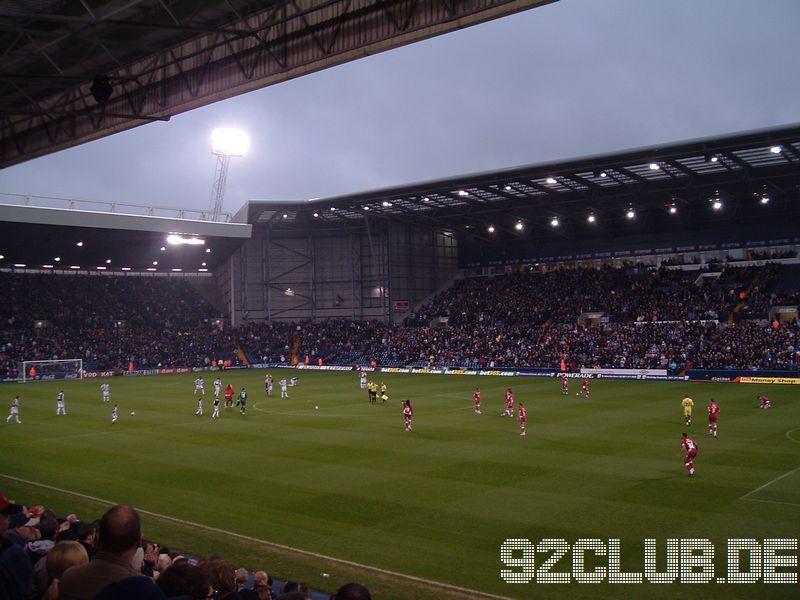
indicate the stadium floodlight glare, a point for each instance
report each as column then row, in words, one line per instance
column 518, row 226
column 208, row 250
column 47, row 266
column 673, row 209
column 463, row 193
column 227, row 141
column 202, row 270
column 717, row 204
column 79, row 244
column 591, row 218
column 101, row 268
column 776, row 149
column 151, row 269
column 551, row 180
column 316, row 214
column 57, row 259
column 507, row 188
column 155, row 263
column 202, row 264
column 126, row 268
column 74, row 266
column 764, row 199
column 631, row 214
column 1, row 257
column 386, row 204
column 285, row 216
column 177, row 240
column 19, row 265
column 108, row 261
column 654, row 166
column 554, row 222
column 426, row 199
column 490, row 229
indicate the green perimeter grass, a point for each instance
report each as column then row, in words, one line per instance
column 347, row 481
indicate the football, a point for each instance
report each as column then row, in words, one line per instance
column 316, row 408
column 132, row 413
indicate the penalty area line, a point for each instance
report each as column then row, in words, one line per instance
column 273, row 545
column 769, row 483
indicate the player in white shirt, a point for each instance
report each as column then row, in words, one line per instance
column 217, row 387
column 199, row 411
column 363, row 380
column 215, row 414
column 268, row 384
column 14, row 412
column 293, row 382
column 105, row 388
column 284, row 393
column 198, row 386
column 114, row 414
column 61, row 408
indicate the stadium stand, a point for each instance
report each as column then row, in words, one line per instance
column 648, row 318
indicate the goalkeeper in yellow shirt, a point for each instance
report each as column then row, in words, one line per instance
column 687, row 404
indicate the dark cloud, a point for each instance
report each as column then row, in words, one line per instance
column 569, row 79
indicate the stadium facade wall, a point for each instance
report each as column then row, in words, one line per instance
column 376, row 271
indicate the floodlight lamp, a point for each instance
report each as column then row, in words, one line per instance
column 764, row 199
column 490, row 229
column 316, row 214
column 717, row 204
column 229, row 142
column 79, row 244
column 426, row 199
column 551, row 180
column 463, row 193
column 554, row 222
column 673, row 209
column 654, row 166
column 518, row 226
column 591, row 218
column 386, row 204
column 631, row 213
column 507, row 188
column 776, row 149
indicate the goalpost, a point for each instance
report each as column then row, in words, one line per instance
column 48, row 370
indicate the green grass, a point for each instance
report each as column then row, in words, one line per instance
column 346, row 481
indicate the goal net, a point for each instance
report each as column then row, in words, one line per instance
column 48, row 370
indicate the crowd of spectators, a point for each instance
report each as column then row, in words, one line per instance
column 45, row 557
column 648, row 319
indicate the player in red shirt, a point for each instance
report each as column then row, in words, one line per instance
column 408, row 413
column 764, row 402
column 523, row 416
column 228, row 396
column 690, row 448
column 713, row 412
column 585, row 387
column 477, row 397
column 509, row 411
column 564, row 386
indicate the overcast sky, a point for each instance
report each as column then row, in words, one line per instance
column 574, row 78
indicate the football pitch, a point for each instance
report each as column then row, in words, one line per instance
column 302, row 492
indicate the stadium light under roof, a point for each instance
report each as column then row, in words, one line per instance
column 177, row 240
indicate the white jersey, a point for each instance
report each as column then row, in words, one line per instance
column 198, row 385
column 60, row 399
column 217, row 387
column 363, row 380
column 282, row 383
column 105, row 388
column 15, row 406
column 114, row 414
column 293, row 381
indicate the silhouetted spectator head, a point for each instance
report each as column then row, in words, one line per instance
column 120, row 530
column 184, row 578
column 353, row 591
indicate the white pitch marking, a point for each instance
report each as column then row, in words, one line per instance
column 789, row 435
column 262, row 542
column 758, row 489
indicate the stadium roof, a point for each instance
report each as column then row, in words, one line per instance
column 746, row 173
column 75, row 71
column 34, row 237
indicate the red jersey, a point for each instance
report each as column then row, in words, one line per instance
column 229, row 392
column 523, row 414
column 509, row 397
column 407, row 412
column 713, row 411
column 585, row 384
column 565, row 382
column 689, row 445
column 477, row 397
